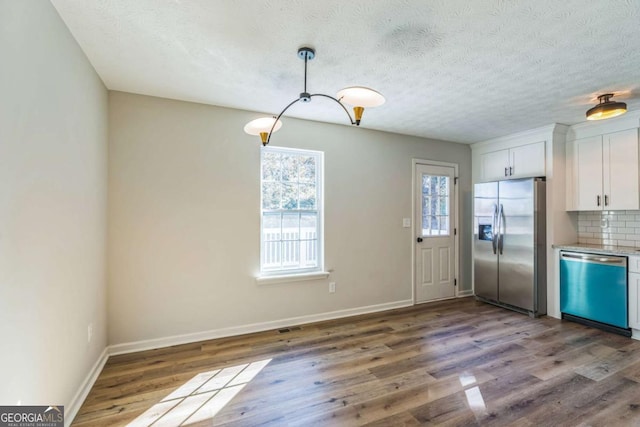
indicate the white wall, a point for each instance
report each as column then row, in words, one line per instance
column 184, row 218
column 53, row 177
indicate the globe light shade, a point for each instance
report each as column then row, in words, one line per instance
column 360, row 96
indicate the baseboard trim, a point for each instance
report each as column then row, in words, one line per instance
column 467, row 293
column 132, row 347
column 72, row 409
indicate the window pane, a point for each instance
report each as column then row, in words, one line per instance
column 290, row 239
column 307, row 196
column 309, row 253
column 270, row 195
column 290, row 168
column 290, row 226
column 289, row 196
column 271, row 255
column 308, row 169
column 435, row 205
column 426, row 179
column 444, row 225
column 308, row 224
column 271, row 226
column 270, row 166
column 443, row 206
column 290, row 253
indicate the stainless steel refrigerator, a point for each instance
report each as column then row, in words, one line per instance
column 509, row 244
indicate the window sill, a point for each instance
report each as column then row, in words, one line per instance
column 298, row 277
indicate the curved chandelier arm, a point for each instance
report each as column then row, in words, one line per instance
column 278, row 118
column 340, row 103
column 298, row 99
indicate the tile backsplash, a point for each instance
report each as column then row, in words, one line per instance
column 618, row 228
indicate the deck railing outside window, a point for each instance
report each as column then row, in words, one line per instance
column 291, row 248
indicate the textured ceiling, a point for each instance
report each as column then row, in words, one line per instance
column 456, row 70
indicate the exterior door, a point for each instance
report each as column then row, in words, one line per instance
column 435, row 260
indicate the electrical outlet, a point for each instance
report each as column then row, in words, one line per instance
column 89, row 332
column 332, row 287
column 406, row 222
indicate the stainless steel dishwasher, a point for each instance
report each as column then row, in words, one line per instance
column 593, row 290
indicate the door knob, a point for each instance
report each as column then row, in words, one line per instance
column 419, row 240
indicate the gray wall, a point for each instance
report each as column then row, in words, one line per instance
column 184, row 218
column 53, row 196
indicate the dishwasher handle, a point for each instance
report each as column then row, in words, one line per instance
column 616, row 261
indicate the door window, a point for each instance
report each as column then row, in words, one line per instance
column 435, row 205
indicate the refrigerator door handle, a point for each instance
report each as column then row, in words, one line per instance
column 494, row 228
column 500, row 226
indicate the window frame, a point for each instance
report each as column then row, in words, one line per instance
column 319, row 182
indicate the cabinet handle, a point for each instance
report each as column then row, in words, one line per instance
column 606, row 200
column 598, row 200
column 505, row 171
column 510, row 170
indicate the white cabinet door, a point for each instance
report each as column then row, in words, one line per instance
column 634, row 304
column 605, row 172
column 527, row 160
column 588, row 183
column 494, row 165
column 517, row 162
column 620, row 179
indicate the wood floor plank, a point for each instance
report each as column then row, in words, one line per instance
column 450, row 410
column 455, row 363
column 611, row 363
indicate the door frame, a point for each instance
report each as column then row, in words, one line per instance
column 456, row 219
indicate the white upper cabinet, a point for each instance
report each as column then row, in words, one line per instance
column 621, row 185
column 527, row 160
column 494, row 165
column 604, row 172
column 517, row 162
column 589, row 174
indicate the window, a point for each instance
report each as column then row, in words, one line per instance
column 435, row 205
column 291, row 224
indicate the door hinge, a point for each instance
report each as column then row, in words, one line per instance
column 455, row 231
column 455, row 180
column 455, row 282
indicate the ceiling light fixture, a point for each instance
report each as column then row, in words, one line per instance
column 606, row 109
column 358, row 96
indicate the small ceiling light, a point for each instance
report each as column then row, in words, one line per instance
column 357, row 96
column 606, row 109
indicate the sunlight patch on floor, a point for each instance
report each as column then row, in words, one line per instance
column 474, row 399
column 473, row 394
column 200, row 398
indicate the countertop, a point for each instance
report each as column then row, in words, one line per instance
column 599, row 249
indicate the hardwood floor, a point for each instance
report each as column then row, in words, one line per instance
column 456, row 362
